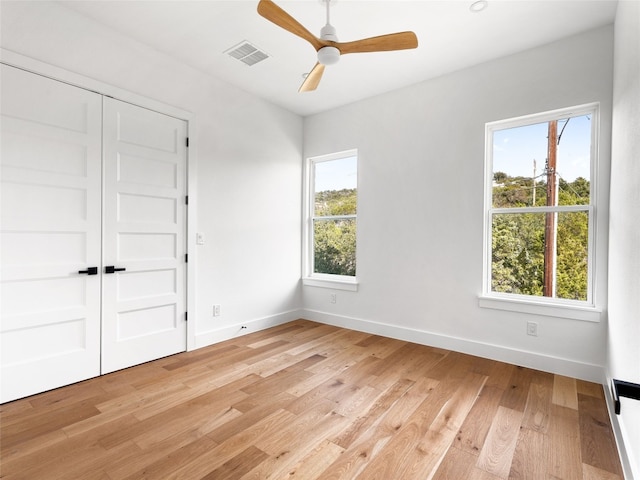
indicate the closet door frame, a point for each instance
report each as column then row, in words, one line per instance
column 56, row 73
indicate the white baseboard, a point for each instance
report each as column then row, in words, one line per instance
column 211, row 337
column 546, row 363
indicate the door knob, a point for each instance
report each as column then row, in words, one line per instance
column 89, row 271
column 112, row 269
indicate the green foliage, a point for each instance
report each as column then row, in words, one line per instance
column 573, row 238
column 509, row 192
column 517, row 253
column 335, row 239
column 335, row 247
column 518, row 239
column 336, row 202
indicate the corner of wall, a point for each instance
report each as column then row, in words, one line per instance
column 210, row 337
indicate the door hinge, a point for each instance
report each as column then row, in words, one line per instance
column 187, row 142
column 186, row 258
column 186, row 316
column 186, row 199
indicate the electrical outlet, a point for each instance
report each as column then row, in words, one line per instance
column 532, row 329
column 199, row 238
column 333, row 298
column 216, row 310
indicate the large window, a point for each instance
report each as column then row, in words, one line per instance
column 332, row 210
column 540, row 207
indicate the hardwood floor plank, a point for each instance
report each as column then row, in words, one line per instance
column 29, row 448
column 214, row 458
column 411, row 362
column 593, row 473
column 425, row 459
column 499, row 375
column 315, row 463
column 588, row 388
column 456, row 464
column 156, row 451
column 407, row 451
column 238, row 465
column 252, row 416
column 381, row 347
column 368, row 417
column 498, row 449
column 473, row 431
column 300, row 426
column 565, row 392
column 311, row 401
column 537, row 410
column 598, row 450
column 517, row 390
column 299, row 438
column 43, row 423
column 526, row 464
column 565, row 453
column 370, row 442
column 197, row 357
column 168, row 466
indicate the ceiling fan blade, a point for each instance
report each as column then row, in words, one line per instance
column 313, row 79
column 383, row 43
column 277, row 15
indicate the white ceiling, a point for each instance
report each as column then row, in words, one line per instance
column 450, row 36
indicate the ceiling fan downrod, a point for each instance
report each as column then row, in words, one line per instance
column 328, row 55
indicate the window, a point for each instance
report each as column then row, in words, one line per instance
column 539, row 207
column 331, row 226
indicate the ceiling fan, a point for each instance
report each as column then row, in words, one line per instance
column 328, row 47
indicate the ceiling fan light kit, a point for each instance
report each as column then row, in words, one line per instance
column 328, row 55
column 327, row 46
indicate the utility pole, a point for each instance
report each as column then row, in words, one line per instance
column 550, row 217
column 533, row 181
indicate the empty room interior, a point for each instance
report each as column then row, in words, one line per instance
column 259, row 239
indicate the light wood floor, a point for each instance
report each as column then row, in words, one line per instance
column 305, row 400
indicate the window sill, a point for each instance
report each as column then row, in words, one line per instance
column 349, row 284
column 573, row 312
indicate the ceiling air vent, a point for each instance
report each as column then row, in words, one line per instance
column 247, row 53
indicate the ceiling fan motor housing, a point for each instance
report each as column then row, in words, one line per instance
column 328, row 32
column 328, row 55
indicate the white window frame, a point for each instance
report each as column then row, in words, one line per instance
column 550, row 306
column 309, row 277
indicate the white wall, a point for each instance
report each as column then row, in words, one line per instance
column 624, row 231
column 420, row 205
column 248, row 154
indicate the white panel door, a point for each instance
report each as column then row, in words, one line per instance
column 50, row 232
column 144, row 235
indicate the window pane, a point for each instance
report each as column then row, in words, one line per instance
column 573, row 243
column 523, row 176
column 518, row 256
column 335, row 246
column 336, row 187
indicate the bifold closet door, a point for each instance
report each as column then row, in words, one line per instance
column 144, row 245
column 50, row 234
